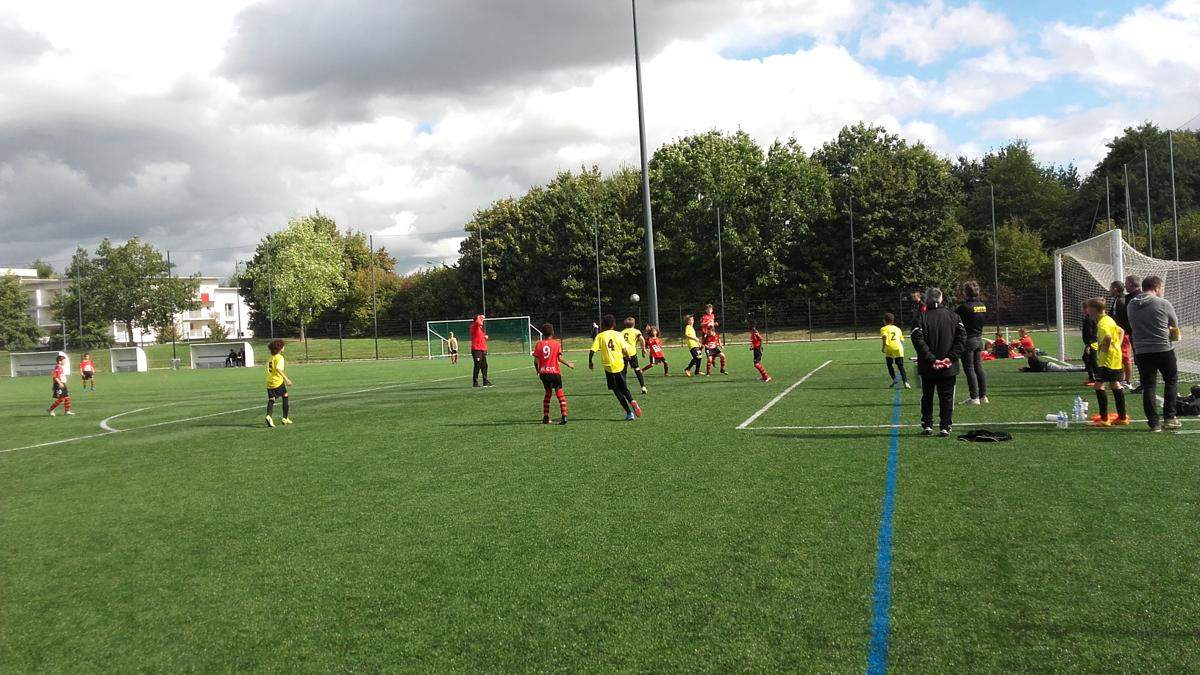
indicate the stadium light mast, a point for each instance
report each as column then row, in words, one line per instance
column 1149, row 222
column 651, row 278
column 1129, row 207
column 1174, row 205
column 1107, row 202
column 853, row 271
column 482, row 283
column 995, row 257
column 596, row 234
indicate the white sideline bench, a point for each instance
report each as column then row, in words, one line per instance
column 128, row 360
column 213, row 354
column 28, row 364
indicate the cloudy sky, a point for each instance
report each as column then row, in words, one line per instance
column 202, row 125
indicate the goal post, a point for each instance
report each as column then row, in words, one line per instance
column 506, row 335
column 1086, row 269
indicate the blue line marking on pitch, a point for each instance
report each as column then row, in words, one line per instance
column 882, row 599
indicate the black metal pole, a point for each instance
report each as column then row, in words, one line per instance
column 853, row 272
column 1174, row 205
column 374, row 302
column 341, row 350
column 651, row 278
column 995, row 259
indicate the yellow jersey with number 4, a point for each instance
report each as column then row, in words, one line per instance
column 612, row 349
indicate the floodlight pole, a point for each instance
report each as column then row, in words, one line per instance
column 237, row 274
column 996, row 257
column 1107, row 202
column 1129, row 207
column 853, row 272
column 1149, row 222
column 721, row 264
column 651, row 278
column 79, row 307
column 1174, row 205
column 374, row 302
column 174, row 328
column 482, row 283
column 271, row 290
column 596, row 234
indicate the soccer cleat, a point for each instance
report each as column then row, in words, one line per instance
column 644, row 390
column 270, row 422
column 1101, row 423
column 1120, row 422
column 1136, row 390
column 907, row 385
column 1156, row 429
column 944, row 433
column 286, row 420
column 892, row 385
column 637, row 409
column 926, row 431
column 629, row 417
column 71, row 413
column 487, row 384
column 768, row 378
column 475, row 384
column 1173, row 424
column 52, row 413
column 545, row 419
column 724, row 373
column 562, row 422
column 687, row 373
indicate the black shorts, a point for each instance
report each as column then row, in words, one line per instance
column 758, row 355
column 632, row 361
column 87, row 375
column 657, row 359
column 1108, row 375
column 277, row 392
column 713, row 353
column 454, row 351
column 59, row 391
column 616, row 380
column 551, row 381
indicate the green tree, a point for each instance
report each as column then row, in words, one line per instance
column 17, row 329
column 905, row 204
column 44, row 269
column 1022, row 260
column 131, row 284
column 96, row 331
column 303, row 271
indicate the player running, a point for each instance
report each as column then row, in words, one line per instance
column 634, row 338
column 1108, row 358
column 452, row 343
column 893, row 349
column 693, row 345
column 756, row 348
column 547, row 354
column 613, row 350
column 277, row 382
column 58, row 390
column 654, row 344
column 479, row 340
column 87, row 371
column 712, row 347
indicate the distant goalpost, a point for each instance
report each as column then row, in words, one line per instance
column 1086, row 269
column 506, row 335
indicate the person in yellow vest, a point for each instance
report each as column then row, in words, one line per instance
column 893, row 349
column 277, row 382
column 693, row 345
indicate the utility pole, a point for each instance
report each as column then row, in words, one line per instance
column 721, row 264
column 651, row 277
column 1107, row 203
column 853, row 272
column 599, row 306
column 1128, row 207
column 79, row 306
column 996, row 256
column 1174, row 205
column 482, row 284
column 374, row 302
column 1149, row 222
column 174, row 328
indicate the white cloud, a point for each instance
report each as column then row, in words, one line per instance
column 925, row 33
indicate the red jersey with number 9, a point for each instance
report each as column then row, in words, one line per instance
column 546, row 353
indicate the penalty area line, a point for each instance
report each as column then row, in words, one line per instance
column 850, row 427
column 109, row 430
column 750, row 420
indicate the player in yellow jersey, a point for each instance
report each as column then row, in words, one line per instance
column 634, row 338
column 693, row 345
column 277, row 382
column 1109, row 362
column 893, row 348
column 613, row 350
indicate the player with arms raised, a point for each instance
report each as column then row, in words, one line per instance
column 547, row 354
column 58, row 389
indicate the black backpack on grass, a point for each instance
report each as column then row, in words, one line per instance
column 985, row 436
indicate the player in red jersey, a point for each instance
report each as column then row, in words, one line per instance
column 59, row 387
column 547, row 354
column 479, row 340
column 708, row 322
column 654, row 344
column 756, row 346
column 87, row 371
column 712, row 345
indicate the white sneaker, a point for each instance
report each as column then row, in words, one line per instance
column 984, row 400
column 52, row 413
column 970, row 401
column 70, row 413
column 907, row 385
column 643, row 390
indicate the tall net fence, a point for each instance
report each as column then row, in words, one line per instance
column 1085, row 270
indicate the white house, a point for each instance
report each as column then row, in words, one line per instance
column 219, row 305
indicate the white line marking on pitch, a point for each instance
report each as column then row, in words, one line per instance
column 108, row 431
column 916, row 426
column 777, row 399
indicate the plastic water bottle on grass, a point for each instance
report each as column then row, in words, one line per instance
column 1063, row 420
column 1077, row 411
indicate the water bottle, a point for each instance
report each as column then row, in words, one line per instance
column 1063, row 420
column 1077, row 411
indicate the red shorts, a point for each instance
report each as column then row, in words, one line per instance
column 1126, row 351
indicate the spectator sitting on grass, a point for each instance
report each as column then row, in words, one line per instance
column 1037, row 364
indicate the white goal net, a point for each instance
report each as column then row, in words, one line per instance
column 506, row 335
column 1085, row 270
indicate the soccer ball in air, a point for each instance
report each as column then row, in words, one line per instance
column 635, row 297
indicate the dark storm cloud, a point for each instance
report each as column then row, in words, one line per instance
column 366, row 47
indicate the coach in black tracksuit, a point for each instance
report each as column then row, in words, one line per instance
column 939, row 338
column 972, row 312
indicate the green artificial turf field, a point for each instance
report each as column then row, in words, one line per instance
column 408, row 521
